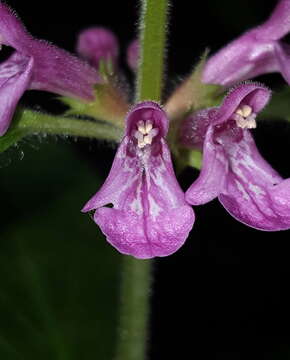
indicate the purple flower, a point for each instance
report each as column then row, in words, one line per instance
column 97, row 43
column 257, row 52
column 233, row 170
column 149, row 216
column 35, row 64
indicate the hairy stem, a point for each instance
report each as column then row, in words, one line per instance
column 136, row 277
column 136, row 280
column 34, row 122
column 152, row 49
column 27, row 122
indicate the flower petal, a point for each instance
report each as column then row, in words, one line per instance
column 150, row 216
column 214, row 171
column 98, row 43
column 12, row 31
column 282, row 52
column 57, row 71
column 252, row 54
column 147, row 110
column 54, row 69
column 15, row 77
column 254, row 193
column 253, row 94
column 278, row 24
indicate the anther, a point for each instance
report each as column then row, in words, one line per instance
column 245, row 117
column 141, row 127
column 148, row 126
column 145, row 133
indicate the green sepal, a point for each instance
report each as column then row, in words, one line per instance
column 109, row 104
column 204, row 95
column 188, row 158
column 193, row 94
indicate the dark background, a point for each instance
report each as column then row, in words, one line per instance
column 224, row 295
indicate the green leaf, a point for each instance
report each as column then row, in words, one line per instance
column 59, row 278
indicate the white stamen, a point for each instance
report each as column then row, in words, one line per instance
column 246, row 110
column 252, row 124
column 245, row 117
column 148, row 126
column 145, row 133
column 141, row 127
column 138, row 135
column 147, row 139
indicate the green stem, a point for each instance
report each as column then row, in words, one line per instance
column 27, row 122
column 136, row 280
column 152, row 45
column 136, row 276
column 33, row 122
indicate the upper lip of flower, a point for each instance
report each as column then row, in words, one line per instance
column 39, row 66
column 256, row 52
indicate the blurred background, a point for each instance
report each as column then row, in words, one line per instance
column 223, row 295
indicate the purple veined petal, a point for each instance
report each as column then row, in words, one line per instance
column 282, row 52
column 15, row 77
column 54, row 69
column 252, row 54
column 254, row 193
column 222, row 135
column 280, row 197
column 278, row 24
column 97, row 43
column 149, row 216
column 57, row 71
column 213, row 174
column 242, row 59
column 133, row 54
column 230, row 64
column 253, row 94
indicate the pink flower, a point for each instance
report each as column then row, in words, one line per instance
column 233, row 170
column 35, row 64
column 149, row 216
column 258, row 51
column 97, row 43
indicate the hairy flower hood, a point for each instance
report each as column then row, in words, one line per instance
column 149, row 216
column 258, row 51
column 233, row 169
